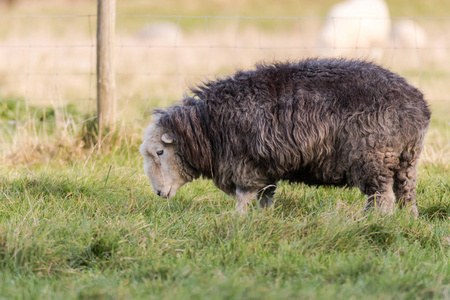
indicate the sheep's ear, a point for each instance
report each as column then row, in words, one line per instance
column 167, row 138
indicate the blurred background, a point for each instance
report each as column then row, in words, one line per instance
column 48, row 50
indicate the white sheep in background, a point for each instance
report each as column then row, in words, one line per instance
column 407, row 34
column 355, row 27
column 161, row 33
column 410, row 45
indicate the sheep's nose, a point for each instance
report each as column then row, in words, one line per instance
column 158, row 192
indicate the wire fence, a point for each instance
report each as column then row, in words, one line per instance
column 50, row 60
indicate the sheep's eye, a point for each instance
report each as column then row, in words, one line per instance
column 160, row 152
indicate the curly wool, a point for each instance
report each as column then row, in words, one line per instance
column 318, row 121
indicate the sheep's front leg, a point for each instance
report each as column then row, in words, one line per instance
column 243, row 198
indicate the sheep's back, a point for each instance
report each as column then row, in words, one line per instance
column 288, row 115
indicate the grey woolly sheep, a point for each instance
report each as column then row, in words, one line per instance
column 317, row 121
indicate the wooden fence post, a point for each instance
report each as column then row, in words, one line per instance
column 106, row 85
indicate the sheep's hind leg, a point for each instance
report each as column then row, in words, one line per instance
column 380, row 194
column 377, row 183
column 405, row 184
column 384, row 201
column 265, row 196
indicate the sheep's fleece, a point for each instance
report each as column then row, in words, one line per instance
column 318, row 121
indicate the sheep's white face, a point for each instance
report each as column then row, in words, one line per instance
column 161, row 163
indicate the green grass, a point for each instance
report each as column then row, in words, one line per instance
column 96, row 231
column 88, row 226
column 18, row 110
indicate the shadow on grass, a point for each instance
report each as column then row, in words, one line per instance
column 99, row 250
column 35, row 187
column 439, row 211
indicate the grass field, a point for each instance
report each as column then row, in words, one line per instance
column 85, row 225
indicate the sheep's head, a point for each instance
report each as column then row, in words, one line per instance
column 162, row 164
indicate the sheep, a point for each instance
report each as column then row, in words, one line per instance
column 161, row 33
column 409, row 44
column 317, row 121
column 408, row 34
column 353, row 25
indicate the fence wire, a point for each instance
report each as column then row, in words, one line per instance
column 49, row 60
